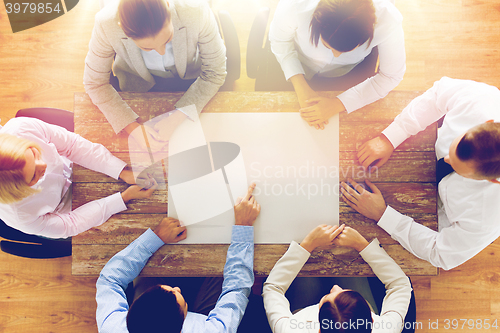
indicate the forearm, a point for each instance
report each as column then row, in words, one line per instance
column 397, row 284
column 92, row 214
column 302, row 89
column 278, row 282
column 446, row 249
column 238, row 281
column 98, row 66
column 116, row 275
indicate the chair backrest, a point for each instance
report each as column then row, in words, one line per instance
column 255, row 54
column 52, row 116
column 233, row 63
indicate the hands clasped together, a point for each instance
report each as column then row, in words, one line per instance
column 327, row 235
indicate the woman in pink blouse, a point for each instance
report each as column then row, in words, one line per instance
column 35, row 177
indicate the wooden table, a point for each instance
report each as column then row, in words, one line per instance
column 407, row 181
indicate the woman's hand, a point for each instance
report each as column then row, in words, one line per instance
column 351, row 238
column 322, row 235
column 137, row 192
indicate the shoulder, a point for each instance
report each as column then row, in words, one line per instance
column 107, row 17
column 190, row 7
column 18, row 126
column 386, row 12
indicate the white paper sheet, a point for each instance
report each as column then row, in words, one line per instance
column 202, row 198
column 294, row 165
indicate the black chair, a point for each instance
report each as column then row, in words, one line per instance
column 263, row 66
column 233, row 55
column 30, row 246
column 256, row 53
column 52, row 116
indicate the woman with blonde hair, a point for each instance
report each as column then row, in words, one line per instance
column 35, row 178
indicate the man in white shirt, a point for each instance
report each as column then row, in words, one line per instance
column 324, row 38
column 469, row 197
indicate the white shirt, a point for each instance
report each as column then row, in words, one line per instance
column 281, row 320
column 468, row 210
column 156, row 62
column 290, row 41
column 48, row 212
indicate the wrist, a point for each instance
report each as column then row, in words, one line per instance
column 308, row 246
column 125, row 197
column 361, row 245
column 131, row 127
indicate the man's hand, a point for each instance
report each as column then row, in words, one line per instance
column 371, row 205
column 246, row 209
column 379, row 148
column 137, row 192
column 127, row 175
column 170, row 230
column 351, row 238
column 322, row 109
column 322, row 235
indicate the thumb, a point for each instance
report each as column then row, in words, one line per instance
column 373, row 187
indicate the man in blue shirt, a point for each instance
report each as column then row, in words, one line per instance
column 163, row 308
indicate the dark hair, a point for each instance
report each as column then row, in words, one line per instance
column 156, row 310
column 481, row 144
column 142, row 18
column 347, row 307
column 343, row 24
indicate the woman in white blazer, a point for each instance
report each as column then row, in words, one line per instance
column 340, row 309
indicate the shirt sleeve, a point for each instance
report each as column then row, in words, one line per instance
column 212, row 53
column 446, row 249
column 123, row 268
column 78, row 149
column 392, row 57
column 57, row 225
column 98, row 66
column 282, row 35
column 422, row 111
column 238, row 281
column 279, row 280
column 397, row 285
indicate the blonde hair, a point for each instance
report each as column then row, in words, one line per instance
column 13, row 186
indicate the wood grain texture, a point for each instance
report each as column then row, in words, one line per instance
column 458, row 39
column 195, row 260
column 124, row 228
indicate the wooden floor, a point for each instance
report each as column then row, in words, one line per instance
column 43, row 66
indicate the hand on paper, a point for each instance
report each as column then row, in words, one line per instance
column 170, row 230
column 127, row 175
column 246, row 209
column 167, row 126
column 371, row 205
column 322, row 235
column 320, row 110
column 137, row 192
column 377, row 149
column 351, row 238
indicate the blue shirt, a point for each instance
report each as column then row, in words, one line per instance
column 125, row 266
